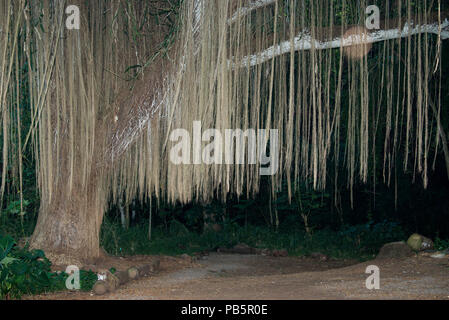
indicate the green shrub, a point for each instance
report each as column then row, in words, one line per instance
column 371, row 236
column 24, row 272
column 441, row 244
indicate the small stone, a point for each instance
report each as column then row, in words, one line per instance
column 101, row 288
column 133, row 273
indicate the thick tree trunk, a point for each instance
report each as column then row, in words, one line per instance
column 70, row 219
column 68, row 230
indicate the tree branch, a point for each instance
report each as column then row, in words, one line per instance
column 305, row 41
column 139, row 107
column 150, row 101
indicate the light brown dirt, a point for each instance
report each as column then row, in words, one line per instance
column 246, row 277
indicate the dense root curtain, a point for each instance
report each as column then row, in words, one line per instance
column 105, row 99
column 118, row 54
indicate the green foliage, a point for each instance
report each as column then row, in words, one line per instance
column 307, row 205
column 24, row 272
column 12, row 220
column 88, row 279
column 372, row 236
column 14, row 207
column 441, row 244
column 359, row 242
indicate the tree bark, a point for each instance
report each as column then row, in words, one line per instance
column 69, row 228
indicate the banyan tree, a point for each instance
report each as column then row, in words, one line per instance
column 104, row 99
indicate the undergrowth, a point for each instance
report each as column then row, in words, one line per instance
column 28, row 272
column 355, row 242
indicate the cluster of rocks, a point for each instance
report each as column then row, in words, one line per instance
column 110, row 282
column 415, row 244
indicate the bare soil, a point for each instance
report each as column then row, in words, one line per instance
column 253, row 277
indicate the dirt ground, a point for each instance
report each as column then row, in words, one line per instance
column 255, row 277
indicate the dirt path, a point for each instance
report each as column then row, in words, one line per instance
column 224, row 276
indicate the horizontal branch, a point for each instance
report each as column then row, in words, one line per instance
column 305, row 41
column 144, row 104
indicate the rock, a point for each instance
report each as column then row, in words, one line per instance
column 415, row 242
column 122, row 276
column 395, row 250
column 106, row 277
column 155, row 266
column 419, row 243
column 427, row 244
column 137, row 272
column 113, row 282
column 100, row 288
column 133, row 273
